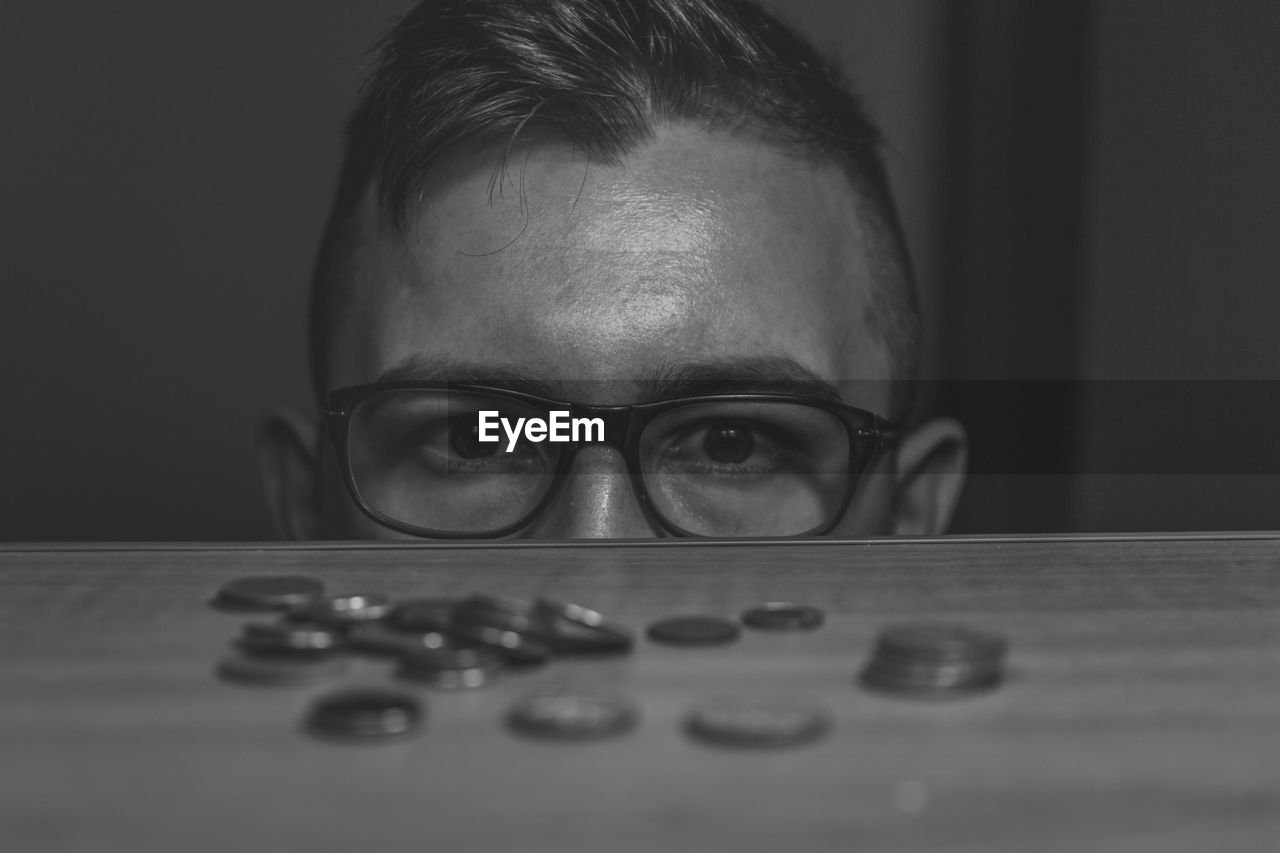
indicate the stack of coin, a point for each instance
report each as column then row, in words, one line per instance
column 451, row 669
column 509, row 626
column 935, row 661
column 384, row 639
column 573, row 629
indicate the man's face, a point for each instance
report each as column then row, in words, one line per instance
column 702, row 252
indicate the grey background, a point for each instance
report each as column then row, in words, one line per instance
column 165, row 170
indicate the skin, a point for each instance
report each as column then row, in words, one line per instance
column 702, row 251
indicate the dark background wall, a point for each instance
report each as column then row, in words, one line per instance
column 1087, row 186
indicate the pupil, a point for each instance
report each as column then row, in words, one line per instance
column 729, row 443
column 464, row 439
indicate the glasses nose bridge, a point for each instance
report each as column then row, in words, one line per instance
column 616, row 419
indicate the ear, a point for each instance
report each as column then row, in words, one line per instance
column 930, row 463
column 288, row 445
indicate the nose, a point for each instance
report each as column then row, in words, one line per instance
column 595, row 501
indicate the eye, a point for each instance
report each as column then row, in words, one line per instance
column 728, row 443
column 464, row 439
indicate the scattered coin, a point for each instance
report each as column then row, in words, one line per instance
column 783, row 616
column 290, row 670
column 573, row 613
column 935, row 661
column 268, row 592
column 451, row 668
column 283, row 638
column 757, row 723
column 379, row 638
column 507, row 614
column 517, row 648
column 573, row 716
column 575, row 629
column 343, row 609
column 694, row 630
column 364, row 714
column 424, row 614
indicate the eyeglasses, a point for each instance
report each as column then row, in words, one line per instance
column 726, row 465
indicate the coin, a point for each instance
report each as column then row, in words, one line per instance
column 569, row 612
column 563, row 715
column 508, row 614
column 451, row 668
column 734, row 722
column 291, row 670
column 343, row 609
column 517, row 648
column 464, row 657
column 424, row 614
column 783, row 616
column 364, row 714
column 939, row 641
column 934, row 679
column 694, row 630
column 575, row 629
column 268, row 592
column 376, row 637
column 282, row 638
column 935, row 661
column 477, row 600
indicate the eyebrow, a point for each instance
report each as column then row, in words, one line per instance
column 766, row 374
column 507, row 377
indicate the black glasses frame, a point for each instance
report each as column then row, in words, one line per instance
column 869, row 435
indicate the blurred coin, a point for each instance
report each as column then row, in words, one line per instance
column 268, row 592
column 517, row 648
column 573, row 716
column 291, row 670
column 463, row 657
column 589, row 641
column 569, row 612
column 424, row 614
column 364, row 714
column 281, row 638
column 695, row 630
column 757, row 723
column 451, row 668
column 935, row 661
column 343, row 609
column 495, row 602
column 449, row 679
column 939, row 641
column 577, row 630
column 376, row 637
column 940, row 680
column 508, row 614
column 783, row 616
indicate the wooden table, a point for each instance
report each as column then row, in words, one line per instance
column 1142, row 711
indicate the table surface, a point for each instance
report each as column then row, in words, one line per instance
column 1142, row 710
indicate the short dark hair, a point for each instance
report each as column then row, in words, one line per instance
column 603, row 75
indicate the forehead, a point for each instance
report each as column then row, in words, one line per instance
column 699, row 246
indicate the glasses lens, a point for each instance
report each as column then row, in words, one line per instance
column 417, row 458
column 746, row 468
